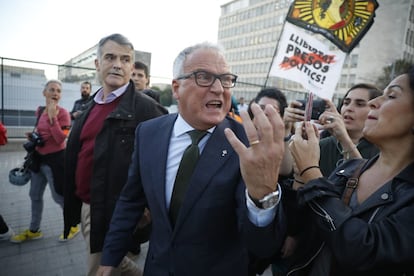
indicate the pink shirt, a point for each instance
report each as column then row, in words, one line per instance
column 53, row 135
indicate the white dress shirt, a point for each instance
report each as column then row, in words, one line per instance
column 179, row 141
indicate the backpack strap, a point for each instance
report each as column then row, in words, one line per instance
column 40, row 110
column 352, row 182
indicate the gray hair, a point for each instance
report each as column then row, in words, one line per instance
column 118, row 38
column 178, row 67
column 53, row 81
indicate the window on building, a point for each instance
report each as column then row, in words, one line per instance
column 405, row 55
column 342, row 81
column 281, row 19
column 354, row 61
column 408, row 56
column 351, row 81
column 346, row 62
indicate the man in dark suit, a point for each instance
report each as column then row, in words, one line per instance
column 231, row 201
column 100, row 146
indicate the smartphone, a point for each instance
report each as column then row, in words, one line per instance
column 318, row 107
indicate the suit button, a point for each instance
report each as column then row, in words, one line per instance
column 384, row 196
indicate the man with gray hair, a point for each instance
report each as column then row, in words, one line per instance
column 99, row 148
column 210, row 193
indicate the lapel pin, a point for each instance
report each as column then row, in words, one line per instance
column 224, row 153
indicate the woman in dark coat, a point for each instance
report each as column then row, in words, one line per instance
column 367, row 228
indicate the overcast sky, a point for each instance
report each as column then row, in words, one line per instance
column 54, row 31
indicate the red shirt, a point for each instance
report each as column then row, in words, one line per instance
column 90, row 130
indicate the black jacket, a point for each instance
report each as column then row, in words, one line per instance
column 112, row 155
column 80, row 105
column 331, row 156
column 374, row 238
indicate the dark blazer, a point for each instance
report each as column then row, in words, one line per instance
column 112, row 155
column 212, row 229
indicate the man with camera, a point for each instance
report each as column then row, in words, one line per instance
column 46, row 147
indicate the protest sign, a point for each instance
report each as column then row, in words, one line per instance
column 343, row 22
column 301, row 57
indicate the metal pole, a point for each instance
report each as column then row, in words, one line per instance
column 392, row 71
column 274, row 55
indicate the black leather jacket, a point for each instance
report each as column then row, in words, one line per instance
column 373, row 238
column 112, row 155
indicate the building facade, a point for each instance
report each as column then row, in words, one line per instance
column 249, row 31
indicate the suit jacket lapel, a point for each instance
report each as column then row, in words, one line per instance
column 158, row 161
column 215, row 153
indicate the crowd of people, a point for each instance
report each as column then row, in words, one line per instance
column 220, row 196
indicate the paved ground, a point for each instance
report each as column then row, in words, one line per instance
column 43, row 257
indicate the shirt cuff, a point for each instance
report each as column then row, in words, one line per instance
column 261, row 217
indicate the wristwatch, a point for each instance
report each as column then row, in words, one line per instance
column 287, row 138
column 268, row 201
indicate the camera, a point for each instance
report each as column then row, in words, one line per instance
column 318, row 107
column 35, row 140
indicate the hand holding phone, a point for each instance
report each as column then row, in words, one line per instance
column 313, row 112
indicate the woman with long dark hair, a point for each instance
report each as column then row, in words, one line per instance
column 360, row 219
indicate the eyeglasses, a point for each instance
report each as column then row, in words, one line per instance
column 206, row 79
